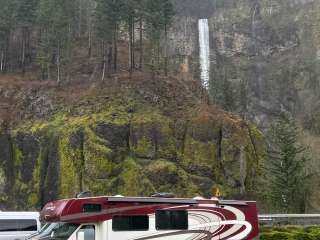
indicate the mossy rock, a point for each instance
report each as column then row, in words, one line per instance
column 125, row 143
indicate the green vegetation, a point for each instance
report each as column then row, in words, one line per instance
column 290, row 233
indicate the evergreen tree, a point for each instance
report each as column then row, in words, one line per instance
column 26, row 16
column 129, row 14
column 287, row 167
column 108, row 17
column 141, row 14
column 159, row 16
column 56, row 19
column 8, row 17
column 168, row 13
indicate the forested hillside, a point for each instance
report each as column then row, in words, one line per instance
column 54, row 37
column 94, row 97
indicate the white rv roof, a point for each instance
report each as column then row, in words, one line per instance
column 21, row 215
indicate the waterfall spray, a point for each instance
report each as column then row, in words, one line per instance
column 204, row 43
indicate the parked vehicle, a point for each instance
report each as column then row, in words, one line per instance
column 18, row 225
column 144, row 218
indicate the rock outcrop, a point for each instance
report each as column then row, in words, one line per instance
column 130, row 137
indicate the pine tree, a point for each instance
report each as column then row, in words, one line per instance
column 129, row 14
column 56, row 19
column 287, row 167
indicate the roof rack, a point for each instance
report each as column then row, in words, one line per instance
column 152, row 200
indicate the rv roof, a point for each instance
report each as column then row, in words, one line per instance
column 19, row 213
column 152, row 200
column 33, row 215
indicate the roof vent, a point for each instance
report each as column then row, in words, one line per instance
column 198, row 198
column 118, row 196
column 163, row 195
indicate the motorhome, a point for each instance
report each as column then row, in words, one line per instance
column 18, row 225
column 144, row 218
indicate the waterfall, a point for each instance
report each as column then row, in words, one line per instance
column 204, row 43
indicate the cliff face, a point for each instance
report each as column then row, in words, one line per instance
column 265, row 58
column 264, row 55
column 128, row 137
column 270, row 49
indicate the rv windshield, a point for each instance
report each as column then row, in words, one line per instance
column 47, row 227
column 62, row 231
column 44, row 231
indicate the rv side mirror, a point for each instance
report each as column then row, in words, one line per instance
column 52, row 234
column 80, row 235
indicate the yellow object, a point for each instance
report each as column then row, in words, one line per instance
column 216, row 192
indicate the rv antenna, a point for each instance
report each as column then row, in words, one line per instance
column 163, row 195
column 84, row 194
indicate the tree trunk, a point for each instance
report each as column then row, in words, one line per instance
column 48, row 71
column 89, row 28
column 141, row 45
column 133, row 64
column 69, row 52
column 23, row 53
column 58, row 64
column 115, row 48
column 110, row 59
column 89, row 40
column 2, row 62
column 28, row 47
column 104, row 61
column 166, row 51
column 7, row 53
column 82, row 159
column 158, row 55
column 130, row 46
column 80, row 18
column 48, row 61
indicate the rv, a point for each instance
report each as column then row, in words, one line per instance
column 144, row 218
column 18, row 225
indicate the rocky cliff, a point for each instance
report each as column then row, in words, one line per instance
column 266, row 49
column 270, row 51
column 129, row 137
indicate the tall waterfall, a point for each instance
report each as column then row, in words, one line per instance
column 204, row 51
